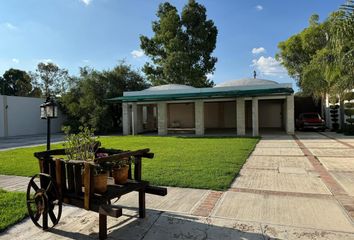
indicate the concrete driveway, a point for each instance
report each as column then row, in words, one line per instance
column 291, row 187
column 291, row 182
column 27, row 140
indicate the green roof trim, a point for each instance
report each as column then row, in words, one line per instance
column 204, row 95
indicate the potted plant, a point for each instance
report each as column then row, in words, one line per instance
column 82, row 146
column 349, row 112
column 334, row 116
column 120, row 171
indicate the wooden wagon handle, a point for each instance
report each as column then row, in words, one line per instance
column 116, row 154
column 139, row 153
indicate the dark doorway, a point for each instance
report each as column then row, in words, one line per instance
column 306, row 104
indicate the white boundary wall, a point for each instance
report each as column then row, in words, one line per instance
column 21, row 116
column 2, row 117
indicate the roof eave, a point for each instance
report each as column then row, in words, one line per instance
column 204, row 95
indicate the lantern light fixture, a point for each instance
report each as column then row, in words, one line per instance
column 49, row 109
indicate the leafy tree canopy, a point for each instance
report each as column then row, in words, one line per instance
column 51, row 79
column 181, row 48
column 321, row 57
column 16, row 82
column 85, row 102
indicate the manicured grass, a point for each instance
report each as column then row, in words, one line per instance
column 12, row 208
column 21, row 161
column 210, row 163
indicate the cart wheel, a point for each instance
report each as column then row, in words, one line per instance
column 43, row 201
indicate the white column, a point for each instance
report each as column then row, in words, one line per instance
column 327, row 112
column 199, row 117
column 255, row 127
column 134, row 119
column 240, row 116
column 290, row 114
column 285, row 116
column 125, row 119
column 162, row 118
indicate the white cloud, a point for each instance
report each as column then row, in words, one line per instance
column 137, row 53
column 269, row 66
column 210, row 76
column 86, row 61
column 86, row 2
column 15, row 60
column 259, row 7
column 9, row 26
column 258, row 50
column 47, row 60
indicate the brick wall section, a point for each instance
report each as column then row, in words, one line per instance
column 336, row 189
column 207, row 205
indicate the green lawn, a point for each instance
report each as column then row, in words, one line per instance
column 210, row 163
column 12, row 208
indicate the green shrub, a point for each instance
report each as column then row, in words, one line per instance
column 349, row 112
column 348, row 96
column 334, row 117
column 349, row 105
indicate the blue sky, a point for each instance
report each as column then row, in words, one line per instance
column 99, row 33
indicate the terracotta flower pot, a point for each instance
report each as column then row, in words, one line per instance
column 120, row 175
column 100, row 182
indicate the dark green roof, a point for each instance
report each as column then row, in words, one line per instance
column 204, row 95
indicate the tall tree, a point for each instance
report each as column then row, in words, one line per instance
column 85, row 102
column 16, row 82
column 182, row 46
column 297, row 52
column 342, row 43
column 321, row 56
column 51, row 79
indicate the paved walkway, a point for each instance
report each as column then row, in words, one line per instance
column 291, row 187
column 27, row 140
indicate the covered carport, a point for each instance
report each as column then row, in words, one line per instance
column 228, row 108
column 272, row 114
column 181, row 117
column 220, row 116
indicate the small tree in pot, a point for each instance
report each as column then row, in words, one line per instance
column 349, row 112
column 334, row 117
column 82, row 146
column 334, row 107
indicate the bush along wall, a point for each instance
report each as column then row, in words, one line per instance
column 349, row 113
column 334, row 116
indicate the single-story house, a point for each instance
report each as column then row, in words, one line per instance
column 230, row 107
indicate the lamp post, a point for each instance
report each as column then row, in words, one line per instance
column 48, row 110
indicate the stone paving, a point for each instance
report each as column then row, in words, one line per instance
column 14, row 183
column 291, row 187
column 281, row 185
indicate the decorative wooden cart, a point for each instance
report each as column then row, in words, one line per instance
column 71, row 182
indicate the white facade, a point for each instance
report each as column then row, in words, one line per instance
column 21, row 116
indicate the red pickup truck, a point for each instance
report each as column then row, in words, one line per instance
column 310, row 120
